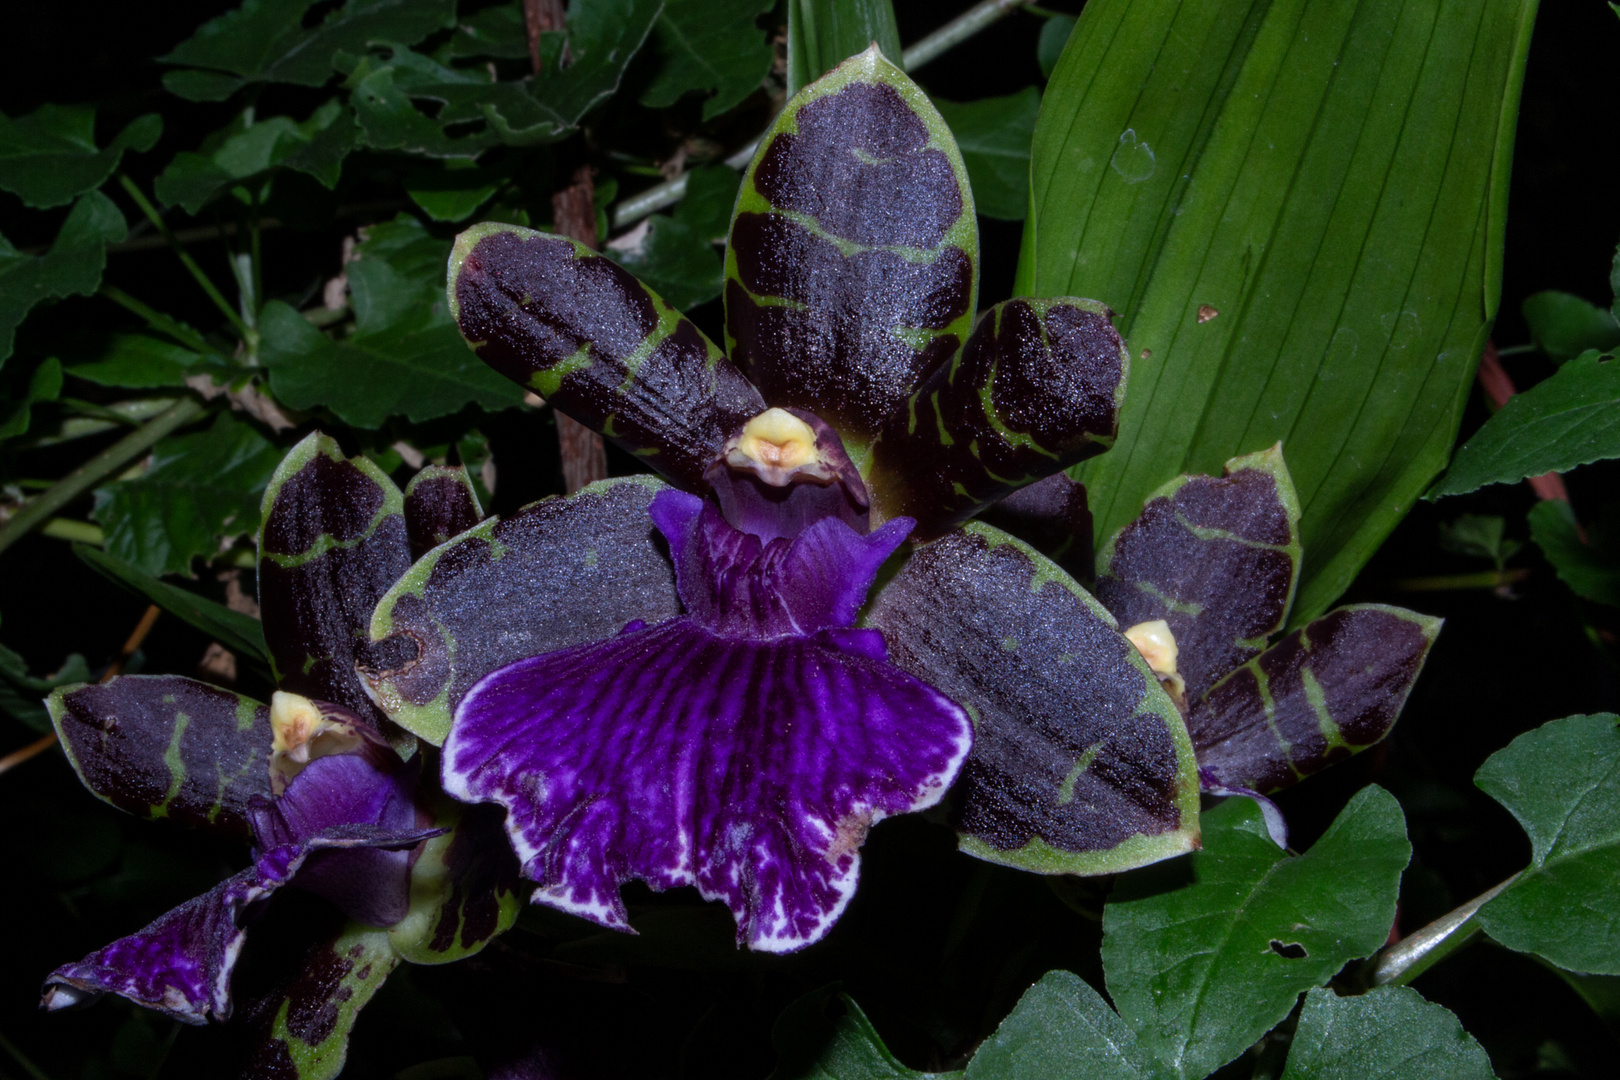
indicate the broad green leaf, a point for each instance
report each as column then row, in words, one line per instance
column 1590, row 566
column 1389, row 1033
column 383, row 93
column 1571, row 418
column 1479, row 535
column 1049, row 46
column 140, row 361
column 1061, row 1027
column 811, row 1045
column 994, row 135
column 200, row 489
column 1297, row 208
column 267, row 41
column 1562, row 782
column 1565, row 326
column 1200, row 969
column 244, row 149
column 72, row 267
column 679, row 257
column 49, row 157
column 497, row 32
column 405, row 356
column 454, row 189
column 239, row 633
column 821, row 34
column 715, row 46
column 22, row 695
column 44, row 385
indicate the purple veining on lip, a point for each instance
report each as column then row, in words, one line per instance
column 745, row 747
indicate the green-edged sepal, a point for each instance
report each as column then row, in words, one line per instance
column 579, row 330
column 440, row 502
column 332, row 541
column 852, row 268
column 1081, row 763
column 1036, row 389
column 559, row 572
column 161, row 746
column 464, row 887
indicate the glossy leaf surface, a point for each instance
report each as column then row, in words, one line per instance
column 1080, row 764
column 852, row 267
column 1562, row 782
column 491, row 597
column 49, row 157
column 160, row 746
column 332, row 542
column 200, row 489
column 143, row 361
column 555, row 317
column 269, row 41
column 1388, row 1033
column 1062, row 1027
column 1298, row 210
column 72, row 266
column 824, row 33
column 1590, row 564
column 716, row 48
column 1569, row 419
column 404, row 356
column 239, row 633
column 994, row 136
column 1202, row 969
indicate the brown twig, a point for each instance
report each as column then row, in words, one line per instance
column 45, row 742
column 539, row 17
column 584, row 456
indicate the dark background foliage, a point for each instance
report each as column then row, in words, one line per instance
column 936, row 947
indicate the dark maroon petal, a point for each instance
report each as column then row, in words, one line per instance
column 364, row 817
column 1216, row 559
column 160, row 746
column 333, row 540
column 1081, row 763
column 180, row 964
column 1036, row 389
column 555, row 317
column 1051, row 516
column 1322, row 693
column 464, row 887
column 732, row 584
column 673, row 756
column 852, row 266
column 557, row 573
column 439, row 503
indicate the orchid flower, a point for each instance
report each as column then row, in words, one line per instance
column 310, row 780
column 1203, row 578
column 668, row 683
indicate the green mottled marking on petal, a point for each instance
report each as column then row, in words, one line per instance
column 246, row 710
column 177, row 767
column 438, row 928
column 393, row 501
column 1324, row 720
column 1171, row 603
column 1020, row 439
column 335, row 984
column 547, row 382
column 944, row 436
column 1066, row 789
column 1043, row 858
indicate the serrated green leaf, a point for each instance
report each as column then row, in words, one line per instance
column 44, row 385
column 49, row 157
column 1390, row 1033
column 1061, row 1027
column 821, row 34
column 813, row 1045
column 714, row 46
column 141, row 362
column 1564, row 325
column 994, row 135
column 1049, row 46
column 405, row 356
column 1569, row 419
column 72, row 267
column 267, row 41
column 239, row 633
column 1590, row 566
column 201, row 489
column 244, row 149
column 1292, row 257
column 383, row 99
column 1562, row 782
column 1202, row 968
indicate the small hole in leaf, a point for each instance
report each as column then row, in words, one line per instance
column 1291, row 950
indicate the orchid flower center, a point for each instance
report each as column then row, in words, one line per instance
column 302, row 730
column 1158, row 647
column 784, row 470
column 780, row 449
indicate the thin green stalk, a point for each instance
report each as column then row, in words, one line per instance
column 77, row 532
column 946, row 37
column 1484, row 579
column 42, row 507
column 21, row 1059
column 1400, row 963
column 176, row 329
column 190, row 264
column 258, row 264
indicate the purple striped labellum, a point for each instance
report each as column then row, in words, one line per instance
column 671, row 684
